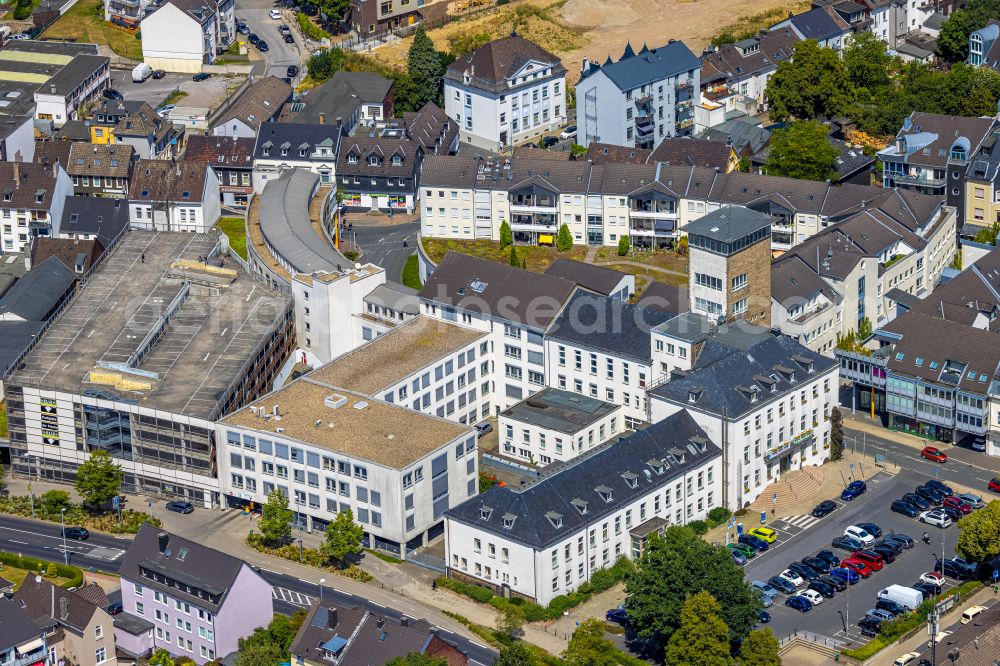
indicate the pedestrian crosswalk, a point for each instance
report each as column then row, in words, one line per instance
column 291, row 596
column 802, row 522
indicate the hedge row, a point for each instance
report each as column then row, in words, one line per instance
column 310, row 556
column 600, row 580
column 310, row 29
column 73, row 574
column 131, row 521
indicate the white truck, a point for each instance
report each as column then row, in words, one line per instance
column 905, row 596
column 141, row 72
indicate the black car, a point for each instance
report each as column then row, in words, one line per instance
column 253, row 39
column 292, row 72
column 617, row 615
column 200, row 76
column 917, row 501
column 114, row 608
column 111, row 93
column 180, row 507
column 548, row 142
column 826, row 590
column 952, row 512
column 929, row 591
column 896, row 547
column 901, row 539
column 159, row 73
column 829, row 557
column 763, row 616
column 78, row 533
column 781, row 584
column 818, row 564
column 953, row 569
column 929, row 494
column 893, row 607
column 289, row 39
column 804, row 570
column 824, row 508
column 262, row 46
column 847, row 543
column 871, row 528
column 869, row 626
column 942, row 488
column 834, row 582
column 888, row 553
column 483, row 428
column 905, row 508
column 242, row 28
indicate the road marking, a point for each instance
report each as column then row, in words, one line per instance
column 479, row 645
column 307, row 581
column 23, row 543
column 804, row 521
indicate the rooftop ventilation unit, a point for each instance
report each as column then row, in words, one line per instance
column 334, row 401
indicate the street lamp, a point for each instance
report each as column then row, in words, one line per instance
column 321, row 581
column 843, row 621
column 62, row 519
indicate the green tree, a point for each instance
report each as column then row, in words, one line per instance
column 506, row 235
column 866, row 60
column 702, row 639
column 836, row 434
column 52, row 502
column 99, row 478
column 259, row 654
column 679, row 564
column 51, row 571
column 161, row 658
column 953, row 40
column 956, row 261
column 564, row 240
column 343, row 538
column 515, row 653
column 979, row 88
column 424, row 67
column 813, row 84
column 988, row 236
column 326, row 63
column 802, row 150
column 760, row 649
column 681, row 246
column 334, row 9
column 275, row 522
column 864, row 329
column 513, row 257
column 623, row 246
column 417, row 659
column 589, row 647
column 510, row 620
column 979, row 534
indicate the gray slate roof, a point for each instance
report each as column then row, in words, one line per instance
column 562, row 411
column 34, row 295
column 285, row 224
column 17, row 626
column 341, row 96
column 729, row 223
column 492, row 64
column 597, row 279
column 634, row 70
column 396, row 297
column 15, row 336
column 296, row 135
column 105, row 217
column 607, row 324
column 560, row 493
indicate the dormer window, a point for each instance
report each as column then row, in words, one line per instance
column 284, row 151
column 604, row 492
column 581, row 505
column 373, row 161
column 185, row 195
column 555, row 518
column 631, row 479
column 655, row 465
column 302, row 152
column 485, row 512
column 508, row 521
column 694, row 394
column 352, row 159
column 397, row 160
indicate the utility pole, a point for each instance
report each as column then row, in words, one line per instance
column 62, row 519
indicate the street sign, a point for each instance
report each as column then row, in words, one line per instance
column 996, row 575
column 739, row 529
column 114, row 502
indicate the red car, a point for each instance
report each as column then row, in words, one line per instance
column 994, row 484
column 857, row 566
column 870, row 559
column 956, row 503
column 934, row 454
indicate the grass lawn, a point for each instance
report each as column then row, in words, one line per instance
column 3, row 418
column 175, row 97
column 667, row 259
column 411, row 273
column 17, row 576
column 535, row 258
column 236, row 230
column 82, row 23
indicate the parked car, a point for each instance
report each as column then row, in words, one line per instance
column 978, row 443
column 893, row 607
column 814, row 597
column 916, row 500
column 765, row 600
column 483, row 428
column 941, row 637
column 783, row 584
column 822, row 588
column 829, row 557
column 871, row 559
column 765, row 534
column 818, row 564
column 907, row 596
column 112, row 94
column 824, row 509
column 242, row 28
column 78, row 533
column 934, row 454
column 905, row 508
column 994, row 484
column 872, row 529
column 836, row 583
column 274, row 15
column 926, row 589
column 804, row 571
column 902, row 539
column 846, row 574
column 936, row 517
column 940, row 486
column 114, row 608
column 888, row 553
column 159, row 73
column 955, row 569
column 932, row 578
column 568, row 133
column 738, row 557
column 792, row 577
column 141, row 72
column 262, row 46
column 906, row 659
column 869, row 626
column 165, row 110
column 799, row 603
column 748, row 551
column 859, row 533
column 763, row 617
column 952, row 512
column 289, row 39
column 253, row 39
column 847, row 543
column 858, row 567
column 880, row 613
column 548, row 142
column 896, row 547
column 975, row 501
column 957, row 503
column 292, row 71
column 753, row 542
column 765, row 588
column 180, row 507
column 284, row 29
column 854, row 489
column 929, row 494
column 200, row 76
column 617, row 615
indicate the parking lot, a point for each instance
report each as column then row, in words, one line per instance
column 203, row 94
column 804, row 535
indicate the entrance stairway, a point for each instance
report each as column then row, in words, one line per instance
column 795, row 490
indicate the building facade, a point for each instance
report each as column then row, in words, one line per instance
column 284, row 146
column 181, row 35
column 32, row 202
column 174, row 196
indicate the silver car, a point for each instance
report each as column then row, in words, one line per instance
column 975, row 501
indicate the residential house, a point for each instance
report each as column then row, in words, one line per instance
column 931, row 155
column 152, row 136
column 174, row 196
column 678, row 150
column 380, row 169
column 232, row 161
column 106, row 115
column 765, row 397
column 982, row 201
column 369, row 17
column 547, row 537
column 32, row 201
column 395, row 469
column 823, row 23
column 981, row 46
column 17, row 130
column 505, row 92
column 851, row 166
column 745, row 135
column 736, row 75
column 52, row 151
column 94, row 218
column 641, row 99
column 180, row 35
column 76, row 254
column 84, row 630
column 100, row 170
column 40, row 294
column 598, row 279
column 133, row 636
column 348, row 99
column 201, row 601
column 284, row 146
column 258, row 103
column 126, row 13
column 22, row 642
column 353, row 634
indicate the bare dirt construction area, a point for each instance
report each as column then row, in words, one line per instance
column 596, row 29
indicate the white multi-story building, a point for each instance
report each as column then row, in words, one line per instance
column 557, row 426
column 174, row 196
column 548, row 537
column 330, row 450
column 505, row 92
column 284, row 146
column 181, row 35
column 765, row 398
column 641, row 99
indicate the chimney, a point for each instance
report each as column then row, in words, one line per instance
column 404, row 621
column 17, row 175
column 63, row 608
column 322, row 119
column 277, row 410
column 381, row 622
column 163, row 538
column 331, row 618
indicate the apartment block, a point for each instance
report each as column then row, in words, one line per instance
column 33, row 199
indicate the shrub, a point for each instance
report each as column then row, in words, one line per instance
column 310, row 29
column 623, row 245
column 21, row 13
column 718, row 516
column 564, row 239
column 699, row 526
column 73, row 574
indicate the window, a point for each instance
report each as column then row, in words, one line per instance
column 101, row 655
column 739, row 282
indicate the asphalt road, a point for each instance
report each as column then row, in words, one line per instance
column 279, row 55
column 804, row 536
column 383, row 245
column 103, row 552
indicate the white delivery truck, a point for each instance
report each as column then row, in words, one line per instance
column 906, row 596
column 141, row 72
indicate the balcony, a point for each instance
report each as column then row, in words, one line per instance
column 532, row 204
column 540, row 222
column 650, row 209
column 644, row 125
column 652, row 228
column 918, row 181
column 683, row 84
column 684, row 124
column 797, row 443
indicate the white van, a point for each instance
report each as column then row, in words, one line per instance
column 970, row 613
column 906, row 596
column 141, row 72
